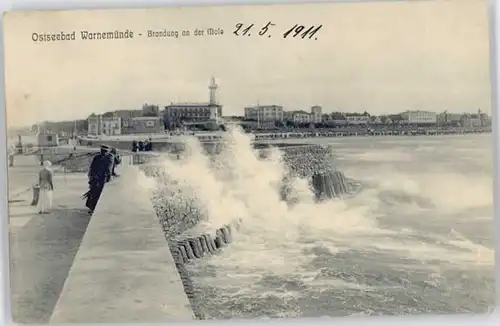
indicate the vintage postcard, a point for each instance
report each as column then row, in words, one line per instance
column 250, row 161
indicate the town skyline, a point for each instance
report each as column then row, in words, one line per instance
column 433, row 56
column 289, row 110
column 145, row 111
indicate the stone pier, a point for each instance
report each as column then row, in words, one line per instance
column 124, row 271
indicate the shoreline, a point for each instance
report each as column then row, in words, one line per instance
column 353, row 132
column 287, row 136
column 283, row 138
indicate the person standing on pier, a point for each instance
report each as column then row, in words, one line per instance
column 99, row 174
column 116, row 161
column 46, row 185
column 149, row 145
column 12, row 153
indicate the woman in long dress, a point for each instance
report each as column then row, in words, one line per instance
column 46, row 188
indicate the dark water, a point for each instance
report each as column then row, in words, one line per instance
column 418, row 239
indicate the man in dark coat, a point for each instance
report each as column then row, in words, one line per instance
column 99, row 173
column 149, row 145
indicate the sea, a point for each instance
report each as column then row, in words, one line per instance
column 417, row 239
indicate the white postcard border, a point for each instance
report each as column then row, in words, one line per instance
column 494, row 319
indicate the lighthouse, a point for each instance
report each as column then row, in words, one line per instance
column 213, row 90
column 212, row 87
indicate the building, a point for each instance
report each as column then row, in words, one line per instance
column 177, row 113
column 448, row 119
column 251, row 124
column 264, row 113
column 357, row 118
column 128, row 114
column 376, row 120
column 146, row 125
column 470, row 120
column 453, row 118
column 473, row 120
column 298, row 116
column 396, row 119
column 47, row 139
column 104, row 125
column 233, row 118
column 316, row 114
column 335, row 119
column 442, row 118
column 419, row 117
column 191, row 112
column 126, row 119
column 62, row 128
column 94, row 123
column 111, row 126
column 485, row 120
column 150, row 110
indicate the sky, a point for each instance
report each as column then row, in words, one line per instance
column 383, row 57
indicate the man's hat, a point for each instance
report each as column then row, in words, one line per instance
column 104, row 147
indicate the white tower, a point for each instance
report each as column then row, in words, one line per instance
column 213, row 90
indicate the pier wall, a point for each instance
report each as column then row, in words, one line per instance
column 124, row 270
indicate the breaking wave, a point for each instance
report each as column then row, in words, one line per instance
column 417, row 238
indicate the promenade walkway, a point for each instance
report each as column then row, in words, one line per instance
column 22, row 175
column 124, row 271
column 42, row 247
column 66, row 266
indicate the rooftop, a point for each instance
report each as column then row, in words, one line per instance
column 264, row 106
column 146, row 118
column 300, row 112
column 189, row 104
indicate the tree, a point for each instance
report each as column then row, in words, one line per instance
column 279, row 124
column 338, row 116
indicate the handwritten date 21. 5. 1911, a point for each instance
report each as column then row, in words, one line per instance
column 296, row 31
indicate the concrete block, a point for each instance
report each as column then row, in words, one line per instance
column 198, row 243
column 176, row 255
column 345, row 182
column 334, row 183
column 186, row 281
column 342, row 182
column 316, row 186
column 220, row 234
column 210, row 243
column 189, row 250
column 226, row 234
column 219, row 242
column 204, row 244
column 330, row 185
column 196, row 246
column 183, row 254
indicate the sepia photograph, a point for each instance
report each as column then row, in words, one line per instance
column 225, row 162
